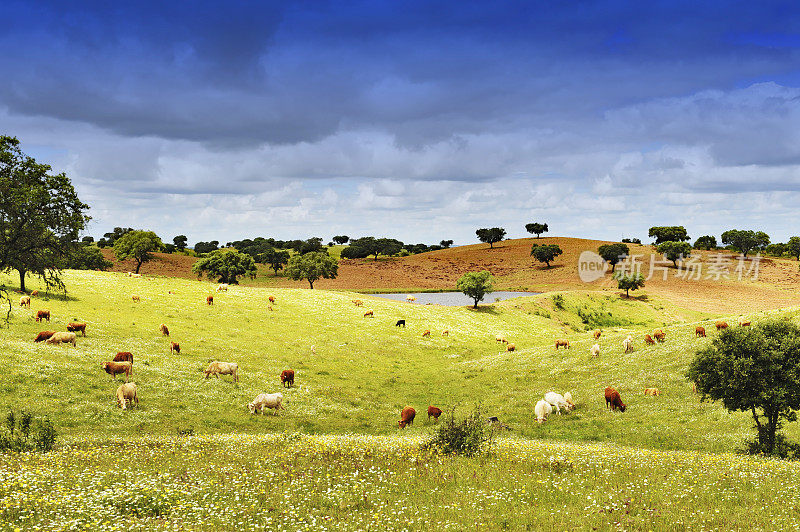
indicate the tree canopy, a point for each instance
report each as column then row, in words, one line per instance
column 340, row 239
column 367, row 246
column 536, row 229
column 546, row 253
column 745, row 241
column 226, row 265
column 675, row 251
column 476, row 285
column 672, row 233
column 613, row 253
column 40, row 216
column 180, row 242
column 275, row 258
column 706, row 242
column 753, row 369
column 631, row 281
column 206, row 247
column 137, row 245
column 491, row 235
column 312, row 266
column 793, row 247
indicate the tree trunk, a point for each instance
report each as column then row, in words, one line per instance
column 476, row 304
column 311, row 283
column 491, row 245
column 138, row 265
column 22, row 280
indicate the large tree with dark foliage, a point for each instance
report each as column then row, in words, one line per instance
column 139, row 246
column 206, row 247
column 546, row 253
column 40, row 216
column 757, row 370
column 671, row 233
column 368, row 246
column 536, row 229
column 744, row 241
column 341, row 239
column 613, row 253
column 491, row 235
column 706, row 242
column 312, row 266
column 226, row 265
column 180, row 242
column 276, row 259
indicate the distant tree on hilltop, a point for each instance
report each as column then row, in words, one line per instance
column 536, row 229
column 491, row 235
column 137, row 245
column 672, row 233
column 546, row 253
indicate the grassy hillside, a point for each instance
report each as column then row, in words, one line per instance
column 364, row 370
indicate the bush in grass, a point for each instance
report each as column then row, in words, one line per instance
column 466, row 436
column 24, row 433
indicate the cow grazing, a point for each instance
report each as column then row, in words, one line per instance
column 62, row 337
column 287, row 378
column 136, row 298
column 446, row 332
column 164, row 330
column 568, row 399
column 743, row 322
column 649, row 339
column 43, row 315
column 659, row 335
column 267, row 400
column 410, row 299
column 700, row 332
column 511, row 347
column 426, row 332
column 542, row 410
column 222, row 288
column 124, row 356
column 400, row 323
column 434, row 413
column 271, row 299
column 25, row 301
column 209, row 300
column 76, row 326
column 595, row 350
column 613, row 400
column 597, row 333
column 127, row 393
column 562, row 343
column 174, row 347
column 34, row 293
column 217, row 368
column 501, row 339
column 358, row 302
column 652, row 391
column 721, row 325
column 407, row 417
column 44, row 335
column 369, row 314
column 115, row 368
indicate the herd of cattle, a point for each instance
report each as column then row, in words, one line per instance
column 126, row 393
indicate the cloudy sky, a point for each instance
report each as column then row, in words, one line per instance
column 416, row 120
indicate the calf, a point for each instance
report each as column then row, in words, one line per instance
column 174, row 347
column 400, row 323
column 34, row 293
column 287, row 378
column 446, row 332
column 627, row 344
column 501, row 339
column 595, row 350
column 44, row 335
column 43, row 315
column 358, row 302
column 75, row 326
column 562, row 343
column 407, row 417
column 124, row 356
column 115, row 368
column 613, row 400
column 700, row 332
column 434, row 413
column 542, row 410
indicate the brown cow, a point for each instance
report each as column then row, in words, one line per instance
column 597, row 333
column 287, row 378
column 721, row 325
column 42, row 315
column 164, row 330
column 434, row 413
column 271, row 299
column 115, row 368
column 446, row 332
column 700, row 332
column 652, row 391
column 501, row 339
column 426, row 332
column 136, row 298
column 613, row 400
column 174, row 347
column 562, row 343
column 743, row 322
column 209, row 300
column 358, row 302
column 75, row 326
column 44, row 335
column 649, row 339
column 369, row 314
column 407, row 417
column 659, row 335
column 124, row 356
column 34, row 293
column 25, row 301
column 511, row 347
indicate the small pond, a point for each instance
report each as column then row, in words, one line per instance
column 453, row 299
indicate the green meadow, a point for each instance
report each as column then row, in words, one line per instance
column 348, row 392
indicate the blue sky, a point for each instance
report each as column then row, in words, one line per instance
column 416, row 120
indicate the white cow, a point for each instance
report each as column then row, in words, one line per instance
column 542, row 410
column 558, row 401
column 267, row 400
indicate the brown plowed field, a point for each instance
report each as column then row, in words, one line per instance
column 777, row 284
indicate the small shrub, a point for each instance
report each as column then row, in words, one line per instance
column 465, row 437
column 188, row 431
column 44, row 435
column 23, row 433
column 558, row 301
